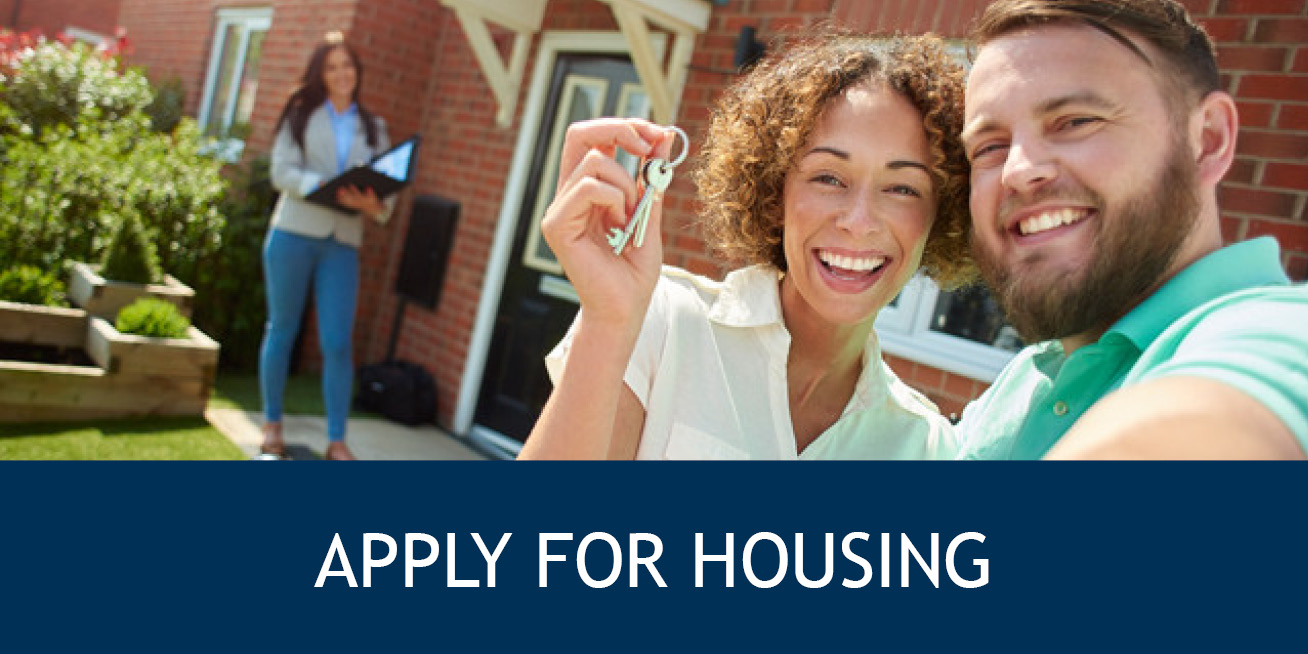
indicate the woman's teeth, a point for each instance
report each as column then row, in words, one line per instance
column 853, row 264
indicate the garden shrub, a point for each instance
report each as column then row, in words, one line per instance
column 51, row 83
column 31, row 285
column 62, row 173
column 165, row 111
column 230, row 306
column 131, row 256
column 152, row 317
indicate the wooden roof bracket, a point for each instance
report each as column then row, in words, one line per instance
column 522, row 17
column 684, row 19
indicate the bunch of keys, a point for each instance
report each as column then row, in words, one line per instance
column 657, row 174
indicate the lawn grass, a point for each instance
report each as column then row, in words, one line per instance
column 303, row 394
column 169, row 439
column 184, row 439
column 241, row 391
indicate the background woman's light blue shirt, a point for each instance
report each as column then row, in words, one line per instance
column 344, row 125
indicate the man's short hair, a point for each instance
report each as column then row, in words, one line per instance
column 1189, row 63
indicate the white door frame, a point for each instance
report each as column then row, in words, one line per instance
column 551, row 45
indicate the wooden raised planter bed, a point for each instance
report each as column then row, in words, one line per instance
column 41, row 325
column 133, row 375
column 104, row 297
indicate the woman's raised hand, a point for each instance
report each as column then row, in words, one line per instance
column 594, row 195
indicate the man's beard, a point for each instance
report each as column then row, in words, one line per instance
column 1132, row 251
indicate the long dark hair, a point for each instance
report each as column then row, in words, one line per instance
column 313, row 92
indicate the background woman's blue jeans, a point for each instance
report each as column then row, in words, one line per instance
column 291, row 264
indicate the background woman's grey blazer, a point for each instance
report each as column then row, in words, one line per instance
column 296, row 173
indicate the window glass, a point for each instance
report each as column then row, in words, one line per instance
column 233, row 79
column 230, row 39
column 973, row 313
column 583, row 97
column 249, row 81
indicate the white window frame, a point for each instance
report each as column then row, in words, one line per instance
column 253, row 19
column 90, row 37
column 905, row 331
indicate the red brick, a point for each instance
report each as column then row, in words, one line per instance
column 1226, row 29
column 903, row 367
column 787, row 24
column 1296, row 266
column 1260, row 58
column 1226, row 82
column 927, row 377
column 958, row 386
column 1233, row 229
column 1286, row 175
column 814, row 6
column 54, row 16
column 1293, row 236
column 1281, row 30
column 1274, row 87
column 1300, row 64
column 1257, row 201
column 1255, row 114
column 1242, row 171
column 1293, row 117
column 765, row 7
column 1272, row 145
column 1260, row 6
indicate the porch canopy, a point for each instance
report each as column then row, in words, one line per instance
column 683, row 19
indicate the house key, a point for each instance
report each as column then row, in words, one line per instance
column 657, row 175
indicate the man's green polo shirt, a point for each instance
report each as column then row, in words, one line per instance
column 1232, row 316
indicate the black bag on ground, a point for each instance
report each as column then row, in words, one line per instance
column 402, row 391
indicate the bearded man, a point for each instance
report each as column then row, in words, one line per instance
column 1098, row 133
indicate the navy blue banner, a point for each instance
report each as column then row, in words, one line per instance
column 653, row 557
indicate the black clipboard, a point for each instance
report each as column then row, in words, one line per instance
column 385, row 174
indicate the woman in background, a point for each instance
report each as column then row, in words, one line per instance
column 323, row 130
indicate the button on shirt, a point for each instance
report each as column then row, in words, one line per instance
column 710, row 369
column 344, row 126
column 1232, row 316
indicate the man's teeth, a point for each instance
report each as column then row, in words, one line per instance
column 856, row 264
column 1049, row 220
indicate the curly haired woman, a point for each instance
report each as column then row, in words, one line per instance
column 833, row 172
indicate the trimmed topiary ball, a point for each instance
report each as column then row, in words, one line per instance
column 150, row 316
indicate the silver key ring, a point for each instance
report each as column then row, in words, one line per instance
column 685, row 149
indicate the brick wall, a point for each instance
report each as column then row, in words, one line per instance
column 52, row 16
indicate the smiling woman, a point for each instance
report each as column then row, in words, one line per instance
column 832, row 171
column 323, row 129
